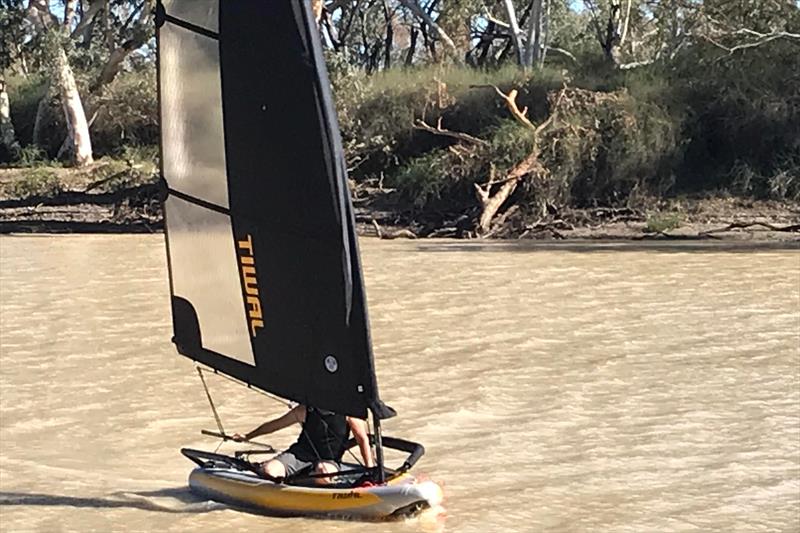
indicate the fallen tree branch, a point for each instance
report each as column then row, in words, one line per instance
column 398, row 234
column 77, row 198
column 98, row 183
column 438, row 130
column 61, row 226
column 744, row 225
column 511, row 103
column 491, row 203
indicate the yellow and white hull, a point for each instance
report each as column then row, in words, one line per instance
column 401, row 496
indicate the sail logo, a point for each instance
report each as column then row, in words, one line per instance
column 247, row 263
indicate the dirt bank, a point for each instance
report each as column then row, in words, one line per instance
column 115, row 197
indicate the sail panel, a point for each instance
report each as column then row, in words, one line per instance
column 191, row 107
column 288, row 192
column 203, row 13
column 205, row 273
column 291, row 238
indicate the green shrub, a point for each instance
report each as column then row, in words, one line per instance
column 36, row 182
column 377, row 113
column 25, row 94
column 510, row 144
column 128, row 114
column 424, row 178
column 31, row 156
column 605, row 147
column 662, row 222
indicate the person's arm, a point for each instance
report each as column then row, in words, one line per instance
column 296, row 415
column 359, row 429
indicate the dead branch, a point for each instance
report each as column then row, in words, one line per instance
column 511, row 103
column 438, row 130
column 398, row 234
column 563, row 52
column 761, row 38
column 744, row 225
column 553, row 112
column 443, row 232
column 552, row 227
column 491, row 203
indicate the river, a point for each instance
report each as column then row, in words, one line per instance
column 556, row 387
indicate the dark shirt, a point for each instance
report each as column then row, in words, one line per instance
column 323, row 436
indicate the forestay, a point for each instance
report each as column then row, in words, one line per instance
column 265, row 274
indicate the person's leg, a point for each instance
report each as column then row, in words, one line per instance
column 325, row 467
column 274, row 468
column 283, row 465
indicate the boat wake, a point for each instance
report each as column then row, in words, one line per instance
column 173, row 500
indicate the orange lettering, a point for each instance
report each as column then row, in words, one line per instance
column 250, row 280
column 250, row 284
column 255, row 307
column 255, row 324
column 247, row 244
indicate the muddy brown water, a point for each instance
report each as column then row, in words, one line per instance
column 578, row 387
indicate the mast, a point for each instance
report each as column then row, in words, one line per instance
column 379, row 448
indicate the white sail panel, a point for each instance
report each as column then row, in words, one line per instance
column 192, row 131
column 205, row 272
column 203, row 13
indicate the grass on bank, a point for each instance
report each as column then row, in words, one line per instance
column 105, row 175
column 629, row 135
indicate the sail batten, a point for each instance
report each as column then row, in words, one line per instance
column 265, row 274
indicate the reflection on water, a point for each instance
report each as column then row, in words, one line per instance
column 555, row 387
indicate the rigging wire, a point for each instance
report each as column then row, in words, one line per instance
column 210, row 401
column 288, row 404
column 244, row 384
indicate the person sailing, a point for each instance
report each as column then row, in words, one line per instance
column 321, row 443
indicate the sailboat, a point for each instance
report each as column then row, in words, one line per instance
column 265, row 277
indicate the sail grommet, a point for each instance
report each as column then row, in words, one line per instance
column 331, row 364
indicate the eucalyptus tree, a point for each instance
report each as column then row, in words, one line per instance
column 79, row 47
column 55, row 35
column 11, row 18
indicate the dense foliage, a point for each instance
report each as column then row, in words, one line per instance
column 662, row 96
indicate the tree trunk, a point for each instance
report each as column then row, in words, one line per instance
column 83, row 30
column 78, row 128
column 491, row 203
column 545, row 32
column 515, row 31
column 41, row 112
column 114, row 65
column 415, row 8
column 612, row 42
column 533, row 50
column 412, row 47
column 141, row 35
column 389, row 41
column 69, row 12
column 7, row 136
column 316, row 7
column 62, row 78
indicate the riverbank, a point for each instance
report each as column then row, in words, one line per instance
column 123, row 197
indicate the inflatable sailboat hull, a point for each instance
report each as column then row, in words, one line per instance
column 234, row 481
column 400, row 497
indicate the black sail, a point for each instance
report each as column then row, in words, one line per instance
column 264, row 266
